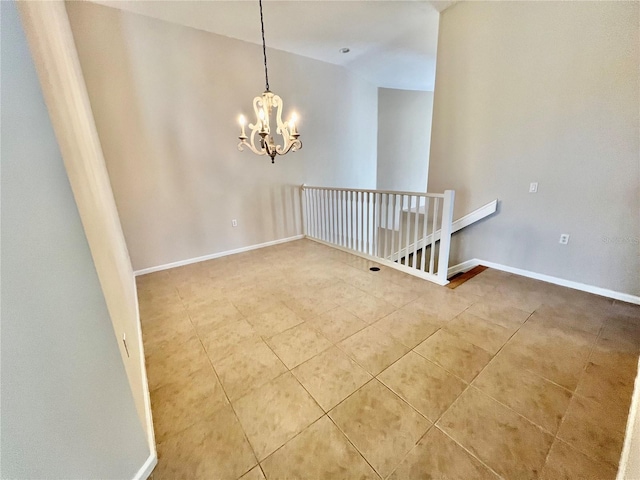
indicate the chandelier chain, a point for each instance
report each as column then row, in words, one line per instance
column 264, row 51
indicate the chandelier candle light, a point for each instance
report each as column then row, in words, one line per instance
column 266, row 106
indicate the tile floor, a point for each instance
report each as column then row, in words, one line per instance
column 296, row 361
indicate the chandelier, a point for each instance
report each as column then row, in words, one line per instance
column 268, row 107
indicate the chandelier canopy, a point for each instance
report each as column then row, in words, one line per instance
column 267, row 108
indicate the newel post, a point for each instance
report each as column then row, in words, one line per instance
column 445, row 238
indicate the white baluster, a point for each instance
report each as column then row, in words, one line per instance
column 424, row 234
column 433, row 233
column 406, row 256
column 415, row 233
column 393, row 226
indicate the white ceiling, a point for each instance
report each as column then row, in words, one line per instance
column 393, row 43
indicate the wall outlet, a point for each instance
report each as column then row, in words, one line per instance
column 564, row 238
column 234, row 223
column 533, row 187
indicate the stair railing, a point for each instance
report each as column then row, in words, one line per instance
column 397, row 229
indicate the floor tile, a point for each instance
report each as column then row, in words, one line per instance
column 180, row 404
column 276, row 319
column 477, row 286
column 427, row 311
column 594, row 429
column 506, row 442
column 393, row 294
column 321, row 451
column 223, row 341
column 369, row 308
column 172, row 329
column 340, row 292
column 607, row 386
column 614, row 355
column 214, row 314
column 509, row 317
column 437, row 456
column 444, row 304
column 372, row 349
column 309, row 306
column 515, row 296
column 454, row 354
column 298, row 344
column 624, row 330
column 567, row 463
column 276, row 412
column 482, row 333
column 424, row 385
column 540, row 401
column 555, row 354
column 337, row 324
column 569, row 316
column 252, row 304
column 196, row 293
column 381, row 426
column 248, row 368
column 215, row 448
column 330, row 377
column 406, row 327
column 154, row 305
column 175, row 362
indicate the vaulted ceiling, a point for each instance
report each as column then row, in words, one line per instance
column 392, row 43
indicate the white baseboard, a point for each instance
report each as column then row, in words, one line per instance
column 462, row 267
column 189, row 261
column 604, row 292
column 147, row 467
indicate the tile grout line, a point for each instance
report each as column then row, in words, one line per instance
column 576, row 394
column 469, row 385
column 244, row 433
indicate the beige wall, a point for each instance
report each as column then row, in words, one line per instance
column 544, row 92
column 404, row 137
column 166, row 100
column 67, row 409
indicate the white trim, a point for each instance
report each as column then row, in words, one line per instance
column 469, row 219
column 151, row 438
column 462, row 267
column 623, row 466
column 147, row 467
column 604, row 292
column 189, row 261
column 477, row 214
column 388, row 263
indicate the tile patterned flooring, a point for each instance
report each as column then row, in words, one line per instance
column 297, row 362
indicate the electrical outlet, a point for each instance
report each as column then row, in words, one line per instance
column 234, row 223
column 533, row 187
column 564, row 238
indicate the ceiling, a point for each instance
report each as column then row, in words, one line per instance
column 392, row 43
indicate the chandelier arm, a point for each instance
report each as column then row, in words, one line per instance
column 289, row 147
column 264, row 50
